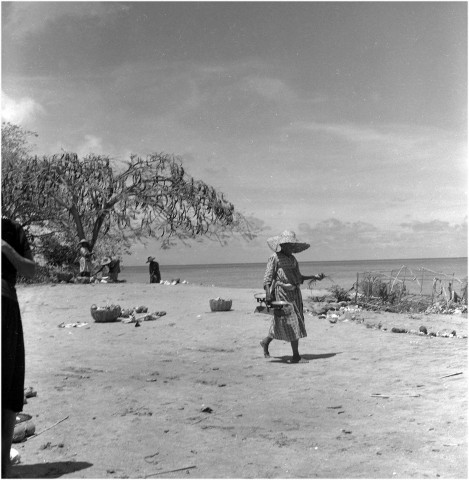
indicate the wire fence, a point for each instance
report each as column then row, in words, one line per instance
column 396, row 285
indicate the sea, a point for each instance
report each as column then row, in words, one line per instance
column 341, row 273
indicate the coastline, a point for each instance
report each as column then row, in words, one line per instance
column 134, row 396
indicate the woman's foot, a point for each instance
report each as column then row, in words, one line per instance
column 298, row 359
column 265, row 346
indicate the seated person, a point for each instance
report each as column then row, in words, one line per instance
column 112, row 266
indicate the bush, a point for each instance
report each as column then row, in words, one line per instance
column 56, row 254
column 339, row 293
column 373, row 286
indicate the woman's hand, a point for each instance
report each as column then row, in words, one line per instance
column 268, row 295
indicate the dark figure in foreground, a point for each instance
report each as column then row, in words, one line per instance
column 16, row 259
column 155, row 276
column 113, row 268
column 282, row 282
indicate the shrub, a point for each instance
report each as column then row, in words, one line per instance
column 340, row 293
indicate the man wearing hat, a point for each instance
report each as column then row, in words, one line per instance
column 113, row 268
column 155, row 276
column 282, row 282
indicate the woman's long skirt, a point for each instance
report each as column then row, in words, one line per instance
column 13, row 358
column 288, row 323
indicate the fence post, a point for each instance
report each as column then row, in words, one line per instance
column 356, row 289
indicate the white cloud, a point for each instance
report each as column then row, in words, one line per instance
column 351, row 239
column 91, row 144
column 19, row 111
column 28, row 18
column 270, row 88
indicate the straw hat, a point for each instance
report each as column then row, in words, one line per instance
column 150, row 259
column 287, row 237
column 106, row 261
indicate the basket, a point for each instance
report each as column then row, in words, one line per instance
column 110, row 314
column 220, row 305
column 24, row 427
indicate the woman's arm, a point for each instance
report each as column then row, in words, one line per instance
column 320, row 276
column 25, row 266
column 269, row 278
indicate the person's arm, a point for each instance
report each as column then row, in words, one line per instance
column 320, row 276
column 97, row 271
column 268, row 279
column 25, row 266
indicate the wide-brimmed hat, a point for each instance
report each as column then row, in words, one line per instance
column 150, row 259
column 287, row 237
column 106, row 261
column 83, row 240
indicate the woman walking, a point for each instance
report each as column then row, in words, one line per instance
column 282, row 282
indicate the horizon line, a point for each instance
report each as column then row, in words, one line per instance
column 310, row 261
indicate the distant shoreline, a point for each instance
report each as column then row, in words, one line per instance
column 307, row 261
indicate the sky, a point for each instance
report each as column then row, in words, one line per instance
column 344, row 122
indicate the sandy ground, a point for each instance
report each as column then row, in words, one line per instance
column 133, row 397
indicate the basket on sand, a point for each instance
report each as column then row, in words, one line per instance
column 105, row 314
column 24, row 427
column 220, row 305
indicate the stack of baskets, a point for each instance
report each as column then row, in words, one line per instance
column 107, row 314
column 220, row 305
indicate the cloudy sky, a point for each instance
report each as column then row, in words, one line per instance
column 345, row 122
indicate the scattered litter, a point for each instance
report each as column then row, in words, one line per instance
column 72, row 325
column 30, row 392
column 15, row 456
column 452, row 374
column 346, row 431
column 169, row 471
column 389, row 396
column 133, row 318
column 52, row 426
column 151, row 458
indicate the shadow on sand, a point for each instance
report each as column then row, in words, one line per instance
column 306, row 356
column 48, row 469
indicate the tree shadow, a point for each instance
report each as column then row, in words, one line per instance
column 306, row 356
column 48, row 469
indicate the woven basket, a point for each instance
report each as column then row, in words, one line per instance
column 108, row 315
column 24, row 427
column 220, row 305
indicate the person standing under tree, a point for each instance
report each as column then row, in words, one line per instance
column 16, row 259
column 282, row 282
column 85, row 258
column 155, row 276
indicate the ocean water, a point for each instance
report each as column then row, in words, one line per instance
column 342, row 273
